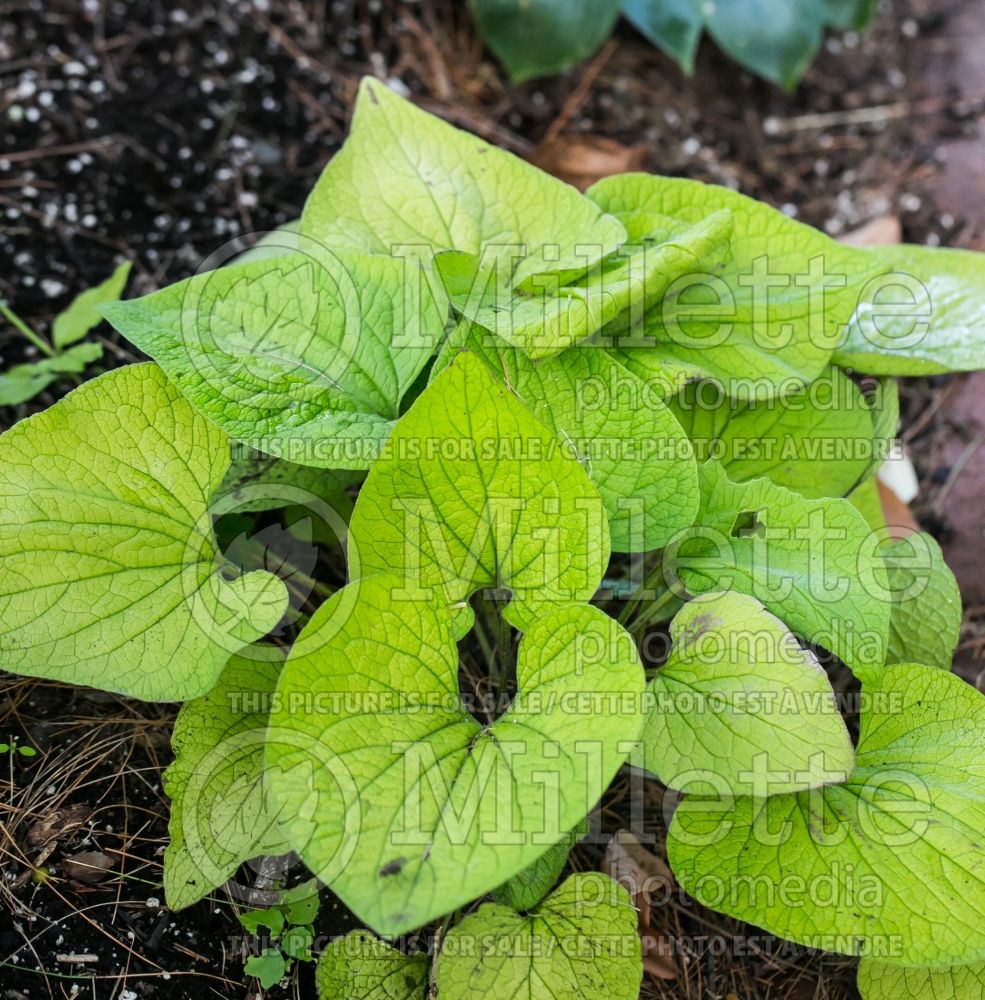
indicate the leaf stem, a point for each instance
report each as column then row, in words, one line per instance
column 18, row 324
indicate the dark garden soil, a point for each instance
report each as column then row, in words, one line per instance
column 161, row 131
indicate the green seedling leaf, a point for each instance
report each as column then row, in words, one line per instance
column 406, row 182
column 304, row 357
column 812, row 563
column 818, row 442
column 555, row 311
column 739, row 705
column 83, row 313
column 220, row 817
column 498, row 952
column 272, row 918
column 890, row 863
column 296, row 943
column 928, row 316
column 109, row 574
column 474, row 491
column 542, row 38
column 883, row 981
column 674, row 26
column 527, row 888
column 764, row 324
column 625, row 438
column 360, row 966
column 925, row 622
column 303, row 910
column 24, row 382
column 396, row 796
column 269, row 968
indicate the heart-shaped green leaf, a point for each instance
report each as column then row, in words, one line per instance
column 219, row 812
column 395, row 795
column 581, row 943
column 626, row 439
column 109, row 574
column 407, row 182
column 812, row 563
column 891, row 859
column 818, row 442
column 474, row 491
column 360, row 966
column 739, row 705
column 305, row 356
column 764, row 324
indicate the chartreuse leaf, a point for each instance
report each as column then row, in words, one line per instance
column 818, row 442
column 23, row 382
column 883, row 981
column 925, row 317
column 528, row 887
column 889, row 864
column 554, row 311
column 219, row 812
column 626, row 439
column 405, row 179
column 925, row 621
column 579, row 944
column 83, row 312
column 394, row 795
column 542, row 38
column 109, row 575
column 269, row 967
column 764, row 324
column 473, row 491
column 812, row 563
column 360, row 966
column 305, row 357
column 865, row 499
column 740, row 704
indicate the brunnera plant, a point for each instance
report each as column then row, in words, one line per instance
column 576, row 429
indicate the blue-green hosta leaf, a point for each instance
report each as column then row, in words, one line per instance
column 407, row 179
column 776, row 39
column 109, row 574
column 474, row 491
column 528, row 887
column 23, row 382
column 83, row 312
column 883, row 981
column 818, row 442
column 543, row 37
column 926, row 317
column 625, row 437
column 555, row 311
column 306, row 356
column 925, row 621
column 360, row 966
column 581, row 943
column 813, row 563
column 672, row 25
column 890, row 863
column 741, row 706
column 765, row 323
column 219, row 812
column 392, row 793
